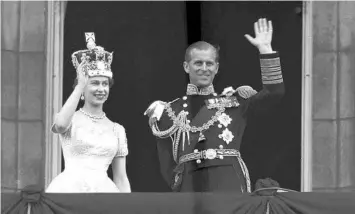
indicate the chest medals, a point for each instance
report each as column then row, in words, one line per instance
column 225, row 120
column 184, row 128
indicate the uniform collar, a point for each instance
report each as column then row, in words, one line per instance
column 193, row 90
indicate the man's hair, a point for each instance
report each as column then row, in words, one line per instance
column 201, row 45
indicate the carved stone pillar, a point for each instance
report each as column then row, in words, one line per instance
column 333, row 96
column 23, row 71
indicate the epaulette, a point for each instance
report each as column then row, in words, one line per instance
column 225, row 101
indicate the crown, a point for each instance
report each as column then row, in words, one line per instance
column 95, row 60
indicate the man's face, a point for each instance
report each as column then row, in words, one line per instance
column 202, row 67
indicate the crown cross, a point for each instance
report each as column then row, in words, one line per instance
column 90, row 37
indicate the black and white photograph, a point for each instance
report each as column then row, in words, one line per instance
column 243, row 107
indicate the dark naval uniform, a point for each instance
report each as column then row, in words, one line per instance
column 199, row 135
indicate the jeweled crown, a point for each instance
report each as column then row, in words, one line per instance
column 95, row 60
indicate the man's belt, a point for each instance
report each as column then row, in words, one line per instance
column 209, row 154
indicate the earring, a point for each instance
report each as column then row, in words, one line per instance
column 82, row 97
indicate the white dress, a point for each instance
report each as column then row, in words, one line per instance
column 88, row 150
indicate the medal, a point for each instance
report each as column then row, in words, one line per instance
column 201, row 138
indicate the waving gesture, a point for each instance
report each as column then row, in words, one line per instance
column 263, row 36
column 81, row 76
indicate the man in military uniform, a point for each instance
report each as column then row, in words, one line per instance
column 199, row 135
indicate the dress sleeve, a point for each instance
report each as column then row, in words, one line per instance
column 120, row 132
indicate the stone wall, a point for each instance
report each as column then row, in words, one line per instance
column 23, row 79
column 333, row 96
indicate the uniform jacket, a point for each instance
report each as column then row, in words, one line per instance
column 222, row 118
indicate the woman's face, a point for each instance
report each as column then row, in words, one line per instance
column 97, row 90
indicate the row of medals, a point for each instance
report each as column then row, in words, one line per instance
column 202, row 137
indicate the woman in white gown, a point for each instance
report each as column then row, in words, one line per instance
column 90, row 141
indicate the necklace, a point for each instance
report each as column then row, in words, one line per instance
column 94, row 118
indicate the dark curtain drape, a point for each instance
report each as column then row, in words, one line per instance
column 149, row 41
column 33, row 201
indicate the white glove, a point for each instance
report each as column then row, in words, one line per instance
column 155, row 110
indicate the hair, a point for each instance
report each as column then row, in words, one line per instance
column 201, row 45
column 110, row 82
